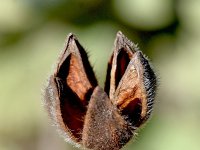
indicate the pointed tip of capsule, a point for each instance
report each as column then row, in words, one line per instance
column 120, row 37
column 121, row 41
column 71, row 36
column 70, row 46
column 119, row 33
column 70, row 40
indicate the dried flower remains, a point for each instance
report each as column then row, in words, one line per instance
column 94, row 118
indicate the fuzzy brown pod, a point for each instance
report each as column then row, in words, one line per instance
column 88, row 116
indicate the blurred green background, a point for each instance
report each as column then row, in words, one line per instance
column 32, row 33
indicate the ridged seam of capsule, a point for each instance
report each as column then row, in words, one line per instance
column 150, row 84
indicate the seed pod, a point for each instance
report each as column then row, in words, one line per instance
column 85, row 114
column 130, row 81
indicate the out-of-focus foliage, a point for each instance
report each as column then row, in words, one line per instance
column 32, row 33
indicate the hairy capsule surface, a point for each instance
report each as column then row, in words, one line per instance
column 90, row 117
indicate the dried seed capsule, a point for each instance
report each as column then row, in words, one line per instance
column 104, row 127
column 130, row 82
column 69, row 89
column 86, row 115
